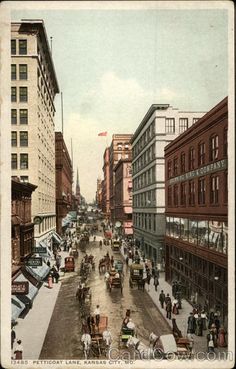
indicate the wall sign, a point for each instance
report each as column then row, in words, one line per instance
column 20, row 288
column 34, row 262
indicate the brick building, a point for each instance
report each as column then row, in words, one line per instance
column 120, row 148
column 64, row 179
column 123, row 195
column 196, row 237
column 106, row 184
column 22, row 228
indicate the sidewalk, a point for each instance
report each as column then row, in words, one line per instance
column 200, row 342
column 33, row 328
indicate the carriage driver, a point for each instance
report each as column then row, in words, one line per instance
column 107, row 337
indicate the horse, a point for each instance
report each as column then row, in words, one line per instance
column 139, row 348
column 86, row 340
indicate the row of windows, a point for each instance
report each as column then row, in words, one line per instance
column 179, row 165
column 20, row 46
column 23, row 138
column 170, row 126
column 208, row 190
column 144, row 159
column 23, row 72
column 204, row 233
column 23, row 94
column 145, row 221
column 145, row 199
column 146, row 136
column 120, row 146
column 24, row 161
column 145, row 179
column 23, row 116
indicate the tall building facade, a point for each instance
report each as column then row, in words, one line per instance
column 77, row 190
column 106, row 183
column 33, row 88
column 64, row 179
column 120, row 148
column 123, row 196
column 161, row 124
column 99, row 193
column 196, row 239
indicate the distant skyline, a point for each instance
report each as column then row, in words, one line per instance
column 112, row 65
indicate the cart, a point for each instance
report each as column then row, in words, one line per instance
column 115, row 282
column 69, row 264
column 125, row 334
column 168, row 345
column 116, row 245
column 136, row 274
column 98, row 345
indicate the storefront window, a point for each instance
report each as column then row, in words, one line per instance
column 184, row 229
column 225, row 237
column 215, row 235
column 193, row 231
column 175, row 227
column 168, row 226
column 203, row 233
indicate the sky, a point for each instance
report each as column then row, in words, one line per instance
column 112, row 65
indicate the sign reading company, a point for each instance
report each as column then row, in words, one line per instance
column 210, row 168
column 20, row 288
column 40, row 250
column 34, row 262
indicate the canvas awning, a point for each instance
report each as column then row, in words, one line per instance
column 57, row 238
column 16, row 307
column 39, row 272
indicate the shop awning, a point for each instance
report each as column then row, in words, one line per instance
column 16, row 307
column 40, row 272
column 32, row 289
column 57, row 238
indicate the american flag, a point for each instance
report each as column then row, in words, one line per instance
column 102, row 134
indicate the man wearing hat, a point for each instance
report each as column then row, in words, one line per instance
column 191, row 324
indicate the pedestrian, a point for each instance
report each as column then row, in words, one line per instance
column 13, row 336
column 156, row 282
column 199, row 326
column 168, row 309
column 167, row 298
column 175, row 309
column 217, row 322
column 210, row 342
column 191, row 324
column 162, row 298
column 174, row 288
column 204, row 320
column 18, row 351
column 211, row 319
column 97, row 315
column 221, row 338
column 148, row 280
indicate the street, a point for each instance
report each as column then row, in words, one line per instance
column 63, row 338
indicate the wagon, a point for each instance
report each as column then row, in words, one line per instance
column 136, row 274
column 69, row 264
column 115, row 282
column 116, row 245
column 167, row 344
column 98, row 346
column 125, row 334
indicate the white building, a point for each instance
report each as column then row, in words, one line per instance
column 34, row 85
column 159, row 127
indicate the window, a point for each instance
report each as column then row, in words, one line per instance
column 170, row 125
column 201, row 191
column 183, row 124
column 24, row 138
column 182, row 162
column 169, row 196
column 13, row 94
column 13, row 47
column 169, row 169
column 175, row 166
column 214, row 147
column 176, row 195
column 13, row 138
column 225, row 142
column 195, row 120
column 24, row 179
column 119, row 146
column 201, row 153
column 13, row 161
column 183, row 194
column 23, row 71
column 214, row 190
column 191, row 193
column 226, row 187
column 22, row 47
column 13, row 71
column 191, row 158
column 13, row 116
column 23, row 116
column 23, row 161
column 23, row 94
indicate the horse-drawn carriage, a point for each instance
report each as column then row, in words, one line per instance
column 125, row 335
column 84, row 295
column 114, row 280
column 116, row 245
column 104, row 264
column 136, row 274
column 98, row 345
column 167, row 344
column 69, row 264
